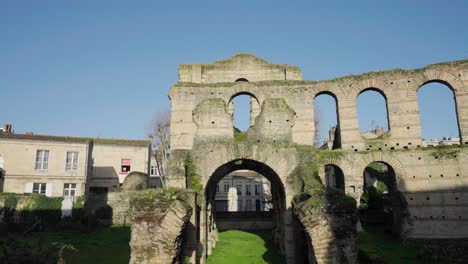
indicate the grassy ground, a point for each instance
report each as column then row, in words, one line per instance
column 104, row 246
column 377, row 247
column 111, row 246
column 238, row 247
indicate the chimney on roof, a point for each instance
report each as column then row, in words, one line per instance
column 7, row 128
column 29, row 133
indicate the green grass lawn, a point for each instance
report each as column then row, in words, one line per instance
column 377, row 247
column 110, row 245
column 238, row 247
column 104, row 246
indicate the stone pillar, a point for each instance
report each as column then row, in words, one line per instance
column 255, row 109
column 403, row 115
column 461, row 98
column 349, row 127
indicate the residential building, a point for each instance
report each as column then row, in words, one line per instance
column 445, row 141
column 67, row 166
column 243, row 190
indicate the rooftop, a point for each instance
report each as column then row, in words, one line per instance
column 110, row 141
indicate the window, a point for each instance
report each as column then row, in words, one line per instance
column 247, row 189
column 69, row 189
column 326, row 121
column 72, row 161
column 248, row 205
column 39, row 188
column 239, row 205
column 239, row 189
column 42, row 159
column 125, row 166
column 373, row 123
column 226, row 186
column 154, row 171
column 217, row 188
column 257, row 189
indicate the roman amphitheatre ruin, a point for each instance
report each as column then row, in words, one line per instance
column 313, row 223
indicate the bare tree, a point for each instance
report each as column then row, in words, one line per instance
column 159, row 135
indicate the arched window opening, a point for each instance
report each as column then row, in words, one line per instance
column 372, row 114
column 438, row 115
column 382, row 206
column 327, row 129
column 245, row 198
column 242, row 80
column 244, row 108
column 334, row 177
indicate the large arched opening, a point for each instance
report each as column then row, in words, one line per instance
column 228, row 180
column 372, row 113
column 244, row 108
column 383, row 208
column 326, row 121
column 438, row 114
column 334, row 177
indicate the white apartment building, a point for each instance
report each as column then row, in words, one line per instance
column 243, row 190
column 67, row 166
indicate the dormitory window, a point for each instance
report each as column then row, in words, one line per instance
column 69, row 189
column 257, row 189
column 72, row 161
column 39, row 188
column 247, row 189
column 125, row 166
column 42, row 159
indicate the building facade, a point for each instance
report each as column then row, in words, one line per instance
column 243, row 190
column 68, row 166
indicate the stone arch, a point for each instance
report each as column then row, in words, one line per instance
column 255, row 106
column 381, row 92
column 242, row 80
column 338, row 161
column 453, row 83
column 277, row 190
column 334, row 177
column 246, row 164
column 378, row 85
column 337, row 143
column 384, row 157
column 395, row 198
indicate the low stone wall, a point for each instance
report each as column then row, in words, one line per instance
column 244, row 224
column 37, row 212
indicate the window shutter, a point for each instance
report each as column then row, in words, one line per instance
column 49, row 189
column 28, row 188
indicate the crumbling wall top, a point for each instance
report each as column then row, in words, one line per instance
column 240, row 67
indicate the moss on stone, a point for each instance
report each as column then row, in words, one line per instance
column 157, row 198
column 239, row 135
column 445, row 153
column 307, row 184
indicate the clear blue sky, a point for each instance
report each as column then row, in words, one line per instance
column 102, row 68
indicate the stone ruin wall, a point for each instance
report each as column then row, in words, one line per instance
column 435, row 189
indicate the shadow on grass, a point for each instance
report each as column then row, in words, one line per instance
column 109, row 245
column 377, row 246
